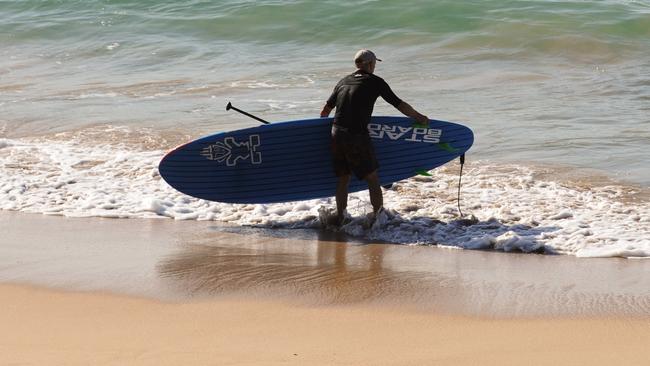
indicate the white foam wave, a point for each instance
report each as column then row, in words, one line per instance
column 511, row 207
column 283, row 105
column 95, row 95
column 254, row 84
column 293, row 82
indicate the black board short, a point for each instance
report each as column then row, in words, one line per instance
column 352, row 153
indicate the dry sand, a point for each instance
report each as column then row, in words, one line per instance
column 158, row 292
column 44, row 327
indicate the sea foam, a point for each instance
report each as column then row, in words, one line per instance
column 507, row 207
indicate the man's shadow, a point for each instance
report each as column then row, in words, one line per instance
column 314, row 271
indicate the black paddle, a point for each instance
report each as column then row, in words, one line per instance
column 229, row 107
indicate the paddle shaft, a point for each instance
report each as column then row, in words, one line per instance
column 230, row 106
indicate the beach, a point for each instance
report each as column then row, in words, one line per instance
column 539, row 257
column 141, row 292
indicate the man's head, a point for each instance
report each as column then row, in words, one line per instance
column 366, row 60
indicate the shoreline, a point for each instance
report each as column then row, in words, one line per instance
column 188, row 261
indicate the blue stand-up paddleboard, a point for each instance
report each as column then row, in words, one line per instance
column 291, row 161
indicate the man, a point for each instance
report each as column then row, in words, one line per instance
column 352, row 151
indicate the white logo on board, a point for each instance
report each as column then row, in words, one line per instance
column 414, row 134
column 232, row 151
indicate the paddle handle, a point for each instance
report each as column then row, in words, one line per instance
column 230, row 106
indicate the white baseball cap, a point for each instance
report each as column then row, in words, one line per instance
column 364, row 56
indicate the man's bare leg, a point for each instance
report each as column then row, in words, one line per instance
column 342, row 196
column 376, row 195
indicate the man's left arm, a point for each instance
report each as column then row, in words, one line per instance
column 402, row 106
column 409, row 111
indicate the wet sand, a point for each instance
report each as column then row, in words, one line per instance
column 184, row 260
column 102, row 291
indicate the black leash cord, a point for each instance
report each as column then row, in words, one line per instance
column 460, row 177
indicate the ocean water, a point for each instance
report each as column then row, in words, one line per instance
column 92, row 94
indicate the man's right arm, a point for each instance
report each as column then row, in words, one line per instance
column 326, row 111
column 330, row 103
column 408, row 111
